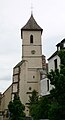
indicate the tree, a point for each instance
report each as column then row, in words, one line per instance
column 33, row 98
column 38, row 106
column 16, row 109
column 33, row 102
column 57, row 78
column 43, row 107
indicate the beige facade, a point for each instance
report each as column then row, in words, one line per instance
column 5, row 99
column 34, row 59
column 27, row 73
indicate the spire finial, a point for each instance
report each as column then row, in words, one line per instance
column 31, row 8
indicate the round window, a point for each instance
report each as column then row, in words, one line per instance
column 33, row 51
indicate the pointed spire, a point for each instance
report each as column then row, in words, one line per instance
column 32, row 25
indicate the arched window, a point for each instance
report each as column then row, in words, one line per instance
column 31, row 39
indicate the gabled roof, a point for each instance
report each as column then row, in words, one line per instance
column 31, row 25
column 61, row 42
column 53, row 55
column 19, row 64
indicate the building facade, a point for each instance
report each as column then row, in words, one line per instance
column 53, row 64
column 5, row 99
column 54, row 60
column 28, row 73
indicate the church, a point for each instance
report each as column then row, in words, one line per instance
column 29, row 72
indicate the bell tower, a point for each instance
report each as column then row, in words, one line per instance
column 31, row 43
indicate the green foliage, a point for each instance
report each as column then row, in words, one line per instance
column 43, row 107
column 16, row 109
column 57, row 78
column 38, row 106
column 33, row 102
column 54, row 112
column 61, row 54
column 34, row 97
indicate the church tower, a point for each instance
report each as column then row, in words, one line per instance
column 27, row 73
column 31, row 43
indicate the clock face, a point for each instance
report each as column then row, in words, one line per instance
column 33, row 51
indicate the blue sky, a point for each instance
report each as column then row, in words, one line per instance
column 49, row 14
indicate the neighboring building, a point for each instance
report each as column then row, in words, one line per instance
column 54, row 60
column 53, row 63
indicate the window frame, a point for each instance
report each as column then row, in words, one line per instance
column 55, row 64
column 31, row 39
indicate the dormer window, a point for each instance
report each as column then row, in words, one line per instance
column 31, row 39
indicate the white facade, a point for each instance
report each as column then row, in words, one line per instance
column 51, row 63
column 45, row 87
column 54, row 61
column 45, row 82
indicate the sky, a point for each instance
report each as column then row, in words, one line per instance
column 49, row 14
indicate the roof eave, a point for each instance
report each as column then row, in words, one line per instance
column 53, row 55
column 30, row 30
